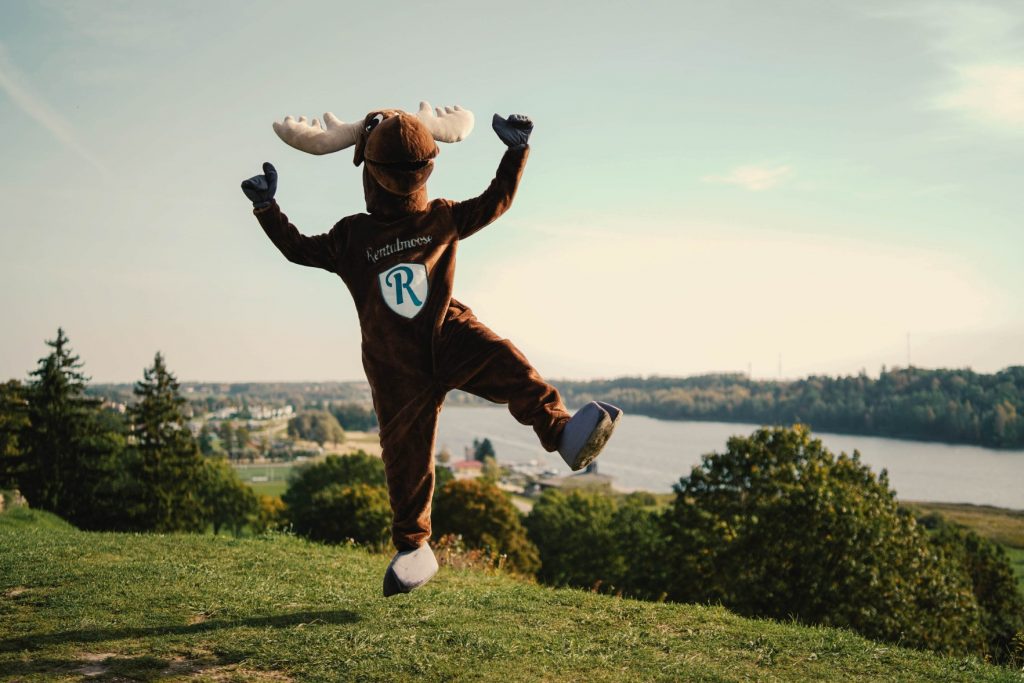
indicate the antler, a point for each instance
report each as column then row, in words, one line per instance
column 311, row 137
column 450, row 124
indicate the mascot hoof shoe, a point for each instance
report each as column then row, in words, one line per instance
column 587, row 433
column 409, row 569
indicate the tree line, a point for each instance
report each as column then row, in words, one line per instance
column 946, row 405
column 952, row 406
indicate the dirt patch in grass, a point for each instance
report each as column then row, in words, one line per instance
column 92, row 664
column 15, row 592
column 198, row 664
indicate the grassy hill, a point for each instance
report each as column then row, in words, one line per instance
column 77, row 606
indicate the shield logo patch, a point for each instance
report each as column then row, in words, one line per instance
column 404, row 288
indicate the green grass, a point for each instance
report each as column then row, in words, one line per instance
column 1003, row 526
column 277, row 472
column 278, row 475
column 148, row 607
column 269, row 488
column 20, row 517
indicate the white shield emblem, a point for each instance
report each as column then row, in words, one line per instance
column 405, row 288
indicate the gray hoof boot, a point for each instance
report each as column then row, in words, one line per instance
column 409, row 569
column 614, row 412
column 587, row 433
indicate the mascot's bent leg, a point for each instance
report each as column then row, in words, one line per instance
column 475, row 359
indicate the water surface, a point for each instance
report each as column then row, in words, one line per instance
column 651, row 454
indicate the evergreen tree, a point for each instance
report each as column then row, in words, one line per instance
column 13, row 420
column 483, row 449
column 69, row 447
column 169, row 466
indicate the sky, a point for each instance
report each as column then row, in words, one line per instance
column 784, row 188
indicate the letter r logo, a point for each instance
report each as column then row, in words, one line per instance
column 405, row 288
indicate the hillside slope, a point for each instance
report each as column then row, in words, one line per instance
column 146, row 607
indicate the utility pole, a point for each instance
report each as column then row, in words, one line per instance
column 908, row 350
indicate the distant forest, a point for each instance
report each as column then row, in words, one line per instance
column 953, row 406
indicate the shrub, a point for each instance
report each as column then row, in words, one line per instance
column 270, row 516
column 227, row 501
column 591, row 539
column 357, row 512
column 303, row 511
column 777, row 526
column 989, row 572
column 483, row 515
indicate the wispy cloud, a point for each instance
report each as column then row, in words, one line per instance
column 753, row 177
column 15, row 87
column 983, row 51
column 990, row 93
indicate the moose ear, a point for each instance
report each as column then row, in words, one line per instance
column 360, row 146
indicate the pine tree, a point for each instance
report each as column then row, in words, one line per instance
column 169, row 466
column 483, row 449
column 13, row 420
column 69, row 447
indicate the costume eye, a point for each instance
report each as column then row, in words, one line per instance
column 373, row 122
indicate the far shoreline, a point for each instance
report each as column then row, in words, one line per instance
column 756, row 425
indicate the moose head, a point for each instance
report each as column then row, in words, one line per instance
column 398, row 148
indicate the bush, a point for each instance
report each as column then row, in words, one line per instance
column 483, row 515
column 777, row 526
column 590, row 539
column 442, row 475
column 304, row 511
column 227, row 501
column 270, row 516
column 988, row 570
column 357, row 512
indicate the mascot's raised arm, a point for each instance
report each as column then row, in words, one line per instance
column 418, row 343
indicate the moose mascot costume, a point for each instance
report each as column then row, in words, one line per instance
column 418, row 343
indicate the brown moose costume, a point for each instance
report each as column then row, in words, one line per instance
column 418, row 343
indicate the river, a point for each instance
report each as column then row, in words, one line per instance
column 651, row 454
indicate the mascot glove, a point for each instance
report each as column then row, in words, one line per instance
column 260, row 189
column 513, row 131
